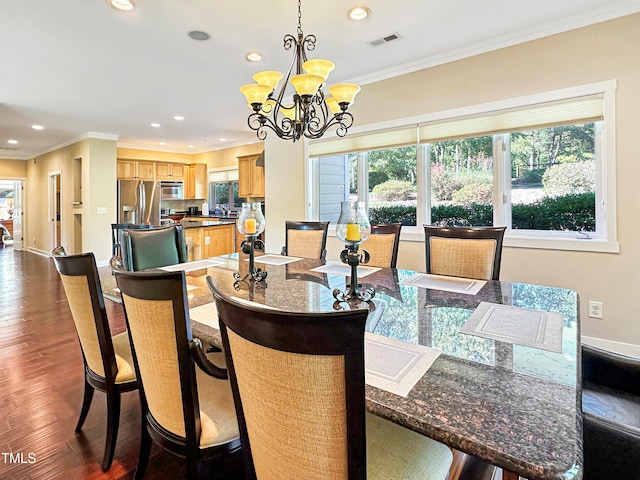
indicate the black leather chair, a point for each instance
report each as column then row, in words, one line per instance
column 611, row 415
column 143, row 249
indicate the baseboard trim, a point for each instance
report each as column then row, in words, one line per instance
column 613, row 346
column 38, row 252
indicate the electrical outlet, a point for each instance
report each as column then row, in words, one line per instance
column 595, row 309
column 207, row 240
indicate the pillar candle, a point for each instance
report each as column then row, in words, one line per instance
column 353, row 232
column 250, row 226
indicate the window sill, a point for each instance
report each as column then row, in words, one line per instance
column 416, row 234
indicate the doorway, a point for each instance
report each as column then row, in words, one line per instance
column 54, row 209
column 11, row 213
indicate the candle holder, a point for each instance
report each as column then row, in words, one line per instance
column 353, row 228
column 251, row 223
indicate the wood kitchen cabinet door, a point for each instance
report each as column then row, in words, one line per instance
column 218, row 240
column 250, row 177
column 136, row 170
column 170, row 171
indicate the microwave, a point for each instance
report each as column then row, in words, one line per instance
column 172, row 190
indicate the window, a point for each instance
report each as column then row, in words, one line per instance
column 223, row 190
column 543, row 166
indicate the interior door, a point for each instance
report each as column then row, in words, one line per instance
column 54, row 209
column 18, row 200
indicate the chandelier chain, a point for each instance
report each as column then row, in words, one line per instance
column 299, row 17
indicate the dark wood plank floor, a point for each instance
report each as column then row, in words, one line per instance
column 41, row 379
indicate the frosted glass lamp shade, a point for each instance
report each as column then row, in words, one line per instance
column 333, row 105
column 306, row 84
column 319, row 67
column 255, row 93
column 270, row 78
column 344, row 92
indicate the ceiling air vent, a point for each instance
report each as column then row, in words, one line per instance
column 8, row 148
column 385, row 39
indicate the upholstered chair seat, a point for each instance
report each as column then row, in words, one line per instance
column 124, row 358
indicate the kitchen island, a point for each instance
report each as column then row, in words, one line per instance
column 209, row 238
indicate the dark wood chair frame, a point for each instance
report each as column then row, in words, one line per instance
column 171, row 286
column 297, row 225
column 128, row 237
column 335, row 333
column 494, row 233
column 85, row 265
column 115, row 233
column 386, row 228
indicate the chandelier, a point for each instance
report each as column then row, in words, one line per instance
column 311, row 113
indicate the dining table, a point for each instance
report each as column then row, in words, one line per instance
column 504, row 385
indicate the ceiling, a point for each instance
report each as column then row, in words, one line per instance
column 79, row 66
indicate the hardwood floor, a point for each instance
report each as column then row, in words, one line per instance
column 41, row 379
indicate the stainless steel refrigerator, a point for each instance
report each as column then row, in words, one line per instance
column 139, row 202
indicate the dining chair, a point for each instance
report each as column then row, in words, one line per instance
column 187, row 404
column 610, row 414
column 115, row 234
column 108, row 364
column 299, row 389
column 383, row 244
column 470, row 252
column 154, row 248
column 306, row 239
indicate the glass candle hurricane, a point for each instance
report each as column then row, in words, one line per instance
column 251, row 220
column 353, row 225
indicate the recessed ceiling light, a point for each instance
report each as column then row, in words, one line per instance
column 162, row 143
column 359, row 13
column 121, row 4
column 12, row 141
column 190, row 146
column 254, row 57
column 199, row 35
column 155, row 125
column 37, row 127
column 178, row 117
column 222, row 139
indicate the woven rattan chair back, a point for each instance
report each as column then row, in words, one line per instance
column 464, row 252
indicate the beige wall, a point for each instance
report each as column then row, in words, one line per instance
column 228, row 157
column 606, row 51
column 139, row 154
column 82, row 228
column 10, row 169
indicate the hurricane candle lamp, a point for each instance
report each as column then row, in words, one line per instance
column 251, row 223
column 353, row 228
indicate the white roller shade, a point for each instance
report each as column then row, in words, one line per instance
column 397, row 137
column 230, row 175
column 575, row 110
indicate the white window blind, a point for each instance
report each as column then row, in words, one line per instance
column 230, row 175
column 575, row 110
column 398, row 137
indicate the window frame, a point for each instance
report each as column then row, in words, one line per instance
column 605, row 237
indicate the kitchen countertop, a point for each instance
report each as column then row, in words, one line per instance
column 205, row 223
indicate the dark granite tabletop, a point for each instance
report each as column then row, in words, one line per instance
column 206, row 223
column 516, row 407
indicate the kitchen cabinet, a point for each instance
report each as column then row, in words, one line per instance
column 196, row 182
column 250, row 177
column 170, row 171
column 209, row 240
column 193, row 237
column 136, row 170
column 218, row 240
